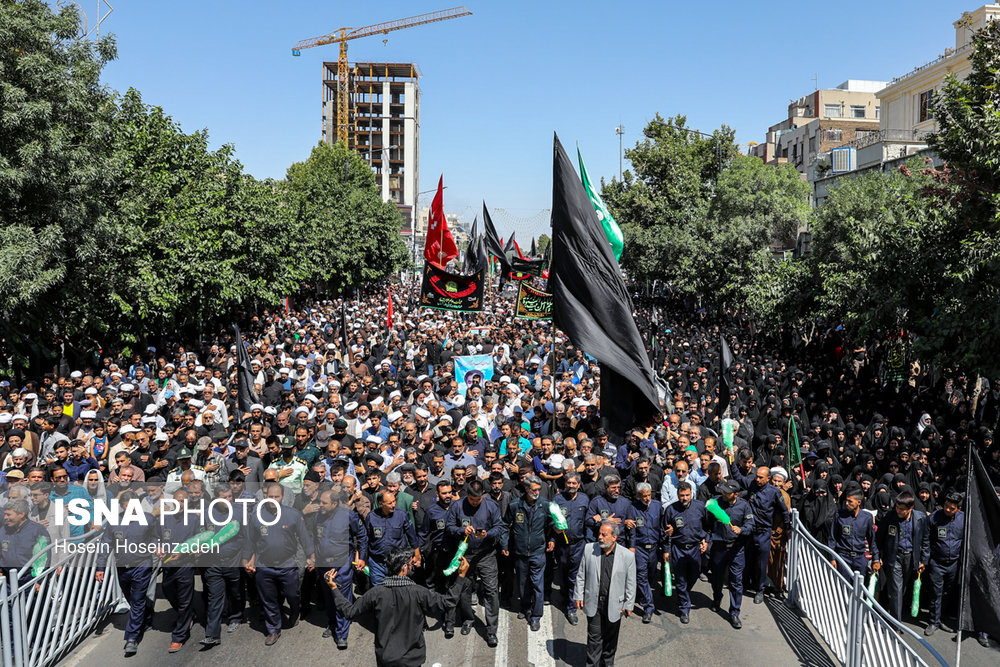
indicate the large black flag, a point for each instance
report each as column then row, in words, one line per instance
column 980, row 609
column 343, row 332
column 725, row 361
column 534, row 250
column 592, row 306
column 493, row 245
column 244, row 375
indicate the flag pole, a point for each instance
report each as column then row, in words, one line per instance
column 965, row 562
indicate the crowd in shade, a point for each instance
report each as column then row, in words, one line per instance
column 361, row 434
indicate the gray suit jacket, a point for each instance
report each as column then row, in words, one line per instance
column 588, row 581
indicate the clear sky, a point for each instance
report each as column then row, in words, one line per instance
column 497, row 84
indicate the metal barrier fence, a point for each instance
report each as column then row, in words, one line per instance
column 834, row 599
column 42, row 618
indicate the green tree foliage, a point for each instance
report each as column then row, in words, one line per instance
column 353, row 235
column 118, row 226
column 700, row 216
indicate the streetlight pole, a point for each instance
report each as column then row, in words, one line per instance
column 620, row 131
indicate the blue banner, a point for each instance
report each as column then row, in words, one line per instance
column 472, row 367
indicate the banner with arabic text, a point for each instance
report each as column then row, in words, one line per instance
column 533, row 303
column 451, row 291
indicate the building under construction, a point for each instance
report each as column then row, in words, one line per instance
column 383, row 126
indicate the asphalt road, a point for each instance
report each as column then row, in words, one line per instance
column 772, row 634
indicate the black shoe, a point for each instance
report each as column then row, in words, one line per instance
column 983, row 640
column 491, row 641
column 131, row 648
column 534, row 626
column 233, row 626
column 930, row 629
column 449, row 631
column 342, row 643
column 210, row 641
column 272, row 638
column 735, row 621
column 572, row 618
column 685, row 619
column 759, row 598
column 717, row 604
column 520, row 616
column 328, row 633
column 466, row 627
column 647, row 619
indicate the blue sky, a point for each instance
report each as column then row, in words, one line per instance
column 496, row 84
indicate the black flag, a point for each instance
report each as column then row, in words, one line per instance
column 510, row 244
column 592, row 306
column 244, row 375
column 534, row 251
column 980, row 607
column 471, row 250
column 725, row 361
column 493, row 245
column 343, row 333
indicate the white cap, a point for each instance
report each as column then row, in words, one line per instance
column 301, row 410
column 150, row 409
column 128, row 428
column 196, row 403
column 256, row 406
column 351, row 407
column 76, row 374
column 310, row 397
column 392, row 416
column 88, row 414
column 423, row 412
column 90, row 391
column 374, row 439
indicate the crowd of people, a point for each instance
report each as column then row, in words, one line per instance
column 379, row 465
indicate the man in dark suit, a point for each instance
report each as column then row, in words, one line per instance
column 905, row 548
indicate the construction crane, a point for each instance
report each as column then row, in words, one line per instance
column 343, row 35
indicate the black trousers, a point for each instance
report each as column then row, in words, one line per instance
column 602, row 639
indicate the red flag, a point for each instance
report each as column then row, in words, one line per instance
column 518, row 249
column 389, row 322
column 440, row 247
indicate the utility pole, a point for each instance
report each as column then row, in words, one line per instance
column 620, row 131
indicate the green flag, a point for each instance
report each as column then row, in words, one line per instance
column 611, row 229
column 794, row 452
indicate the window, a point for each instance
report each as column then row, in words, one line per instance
column 878, row 113
column 924, row 106
column 864, row 134
column 832, row 110
column 833, row 135
column 857, row 111
column 812, row 144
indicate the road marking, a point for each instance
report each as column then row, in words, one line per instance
column 503, row 636
column 538, row 642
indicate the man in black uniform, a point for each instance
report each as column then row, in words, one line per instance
column 683, row 522
column 132, row 545
column 222, row 575
column 946, row 532
column 400, row 607
column 271, row 557
column 904, row 543
column 729, row 549
column 341, row 546
column 851, row 532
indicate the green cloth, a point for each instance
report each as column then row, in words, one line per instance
column 611, row 228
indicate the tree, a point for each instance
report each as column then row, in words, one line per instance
column 54, row 129
column 699, row 215
column 351, row 236
column 543, row 243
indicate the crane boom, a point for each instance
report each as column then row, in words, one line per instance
column 343, row 35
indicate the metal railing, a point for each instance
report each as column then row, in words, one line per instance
column 834, row 599
column 44, row 617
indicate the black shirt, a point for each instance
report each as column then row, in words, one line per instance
column 607, row 564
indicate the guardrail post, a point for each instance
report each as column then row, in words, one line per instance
column 855, row 622
column 792, row 573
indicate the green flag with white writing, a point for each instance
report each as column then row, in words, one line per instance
column 611, row 229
